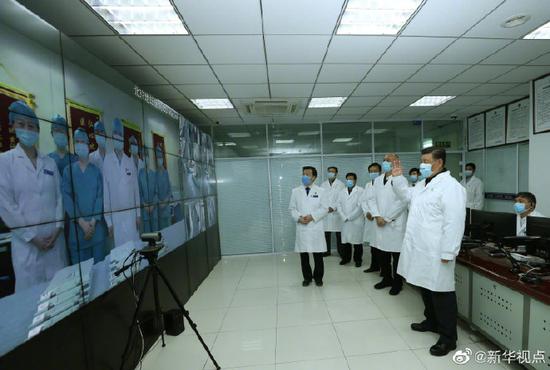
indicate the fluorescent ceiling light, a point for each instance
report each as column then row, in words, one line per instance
column 281, row 141
column 342, row 140
column 515, row 21
column 219, row 143
column 237, row 135
column 543, row 32
column 308, row 133
column 376, row 17
column 230, row 144
column 427, row 143
column 140, row 17
column 212, row 103
column 332, row 102
column 353, row 144
column 376, row 131
column 431, row 101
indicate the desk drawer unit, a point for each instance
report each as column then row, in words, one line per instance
column 498, row 311
column 539, row 332
column 462, row 288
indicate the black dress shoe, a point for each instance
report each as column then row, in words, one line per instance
column 383, row 284
column 326, row 254
column 372, row 269
column 422, row 327
column 395, row 289
column 319, row 283
column 306, row 282
column 342, row 263
column 441, row 349
column 358, row 264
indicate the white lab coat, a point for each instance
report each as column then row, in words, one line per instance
column 309, row 238
column 121, row 197
column 521, row 223
column 349, row 208
column 97, row 160
column 474, row 192
column 384, row 202
column 31, row 205
column 437, row 214
column 333, row 221
column 369, row 230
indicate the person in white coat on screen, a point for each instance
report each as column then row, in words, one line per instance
column 31, row 203
column 474, row 188
column 121, row 192
column 369, row 233
column 437, row 213
column 390, row 214
column 524, row 206
column 333, row 222
column 308, row 206
column 98, row 156
column 349, row 207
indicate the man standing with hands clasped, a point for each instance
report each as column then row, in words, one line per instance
column 308, row 206
column 437, row 212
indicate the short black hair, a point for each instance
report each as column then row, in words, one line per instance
column 375, row 164
column 313, row 170
column 352, row 174
column 437, row 153
column 529, row 196
column 336, row 168
column 414, row 169
column 473, row 165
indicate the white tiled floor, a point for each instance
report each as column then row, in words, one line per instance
column 255, row 315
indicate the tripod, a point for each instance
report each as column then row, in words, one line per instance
column 150, row 253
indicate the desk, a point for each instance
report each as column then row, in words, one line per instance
column 514, row 314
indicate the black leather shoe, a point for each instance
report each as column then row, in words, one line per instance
column 383, row 284
column 441, row 349
column 358, row 264
column 422, row 327
column 306, row 282
column 319, row 283
column 326, row 254
column 395, row 289
column 371, row 269
column 342, row 263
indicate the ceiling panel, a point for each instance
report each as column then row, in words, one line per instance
column 398, row 101
column 444, row 109
column 362, row 101
column 357, row 49
column 481, row 73
column 438, row 72
column 375, row 88
column 415, row 88
column 221, row 17
column 251, row 73
column 391, row 72
column 343, row 72
column 523, row 74
column 411, row 112
column 163, row 91
column 327, row 90
column 300, row 16
column 519, row 52
column 340, row 117
column 499, row 99
column 490, row 26
column 454, row 89
column 469, row 51
column 225, row 49
column 521, row 89
column 448, row 17
column 210, row 91
column 142, row 75
column 490, row 89
column 110, row 49
column 295, row 48
column 293, row 73
column 353, row 110
column 464, row 100
column 221, row 113
column 167, row 49
column 291, row 90
column 383, row 110
column 415, row 49
column 188, row 74
column 543, row 60
column 179, row 103
column 247, row 91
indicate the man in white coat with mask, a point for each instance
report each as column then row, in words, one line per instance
column 31, row 203
column 333, row 222
column 390, row 213
column 121, row 191
column 369, row 233
column 350, row 210
column 437, row 213
column 474, row 188
column 308, row 206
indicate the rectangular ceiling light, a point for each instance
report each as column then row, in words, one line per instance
column 230, row 144
column 332, row 102
column 376, row 131
column 238, row 135
column 212, row 103
column 376, row 17
column 281, row 141
column 431, row 101
column 308, row 133
column 541, row 33
column 140, row 17
column 342, row 140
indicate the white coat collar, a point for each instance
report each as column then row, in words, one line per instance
column 441, row 177
column 20, row 154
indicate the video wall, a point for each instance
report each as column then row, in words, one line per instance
column 86, row 166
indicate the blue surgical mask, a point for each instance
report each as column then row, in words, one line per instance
column 519, row 207
column 81, row 150
column 350, row 183
column 386, row 166
column 414, row 178
column 373, row 175
column 118, row 143
column 468, row 173
column 100, row 140
column 26, row 137
column 133, row 149
column 425, row 170
column 331, row 175
column 60, row 140
column 306, row 180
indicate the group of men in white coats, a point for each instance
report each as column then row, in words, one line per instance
column 418, row 232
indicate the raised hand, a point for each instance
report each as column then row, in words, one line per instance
column 397, row 170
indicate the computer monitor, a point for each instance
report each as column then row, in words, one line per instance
column 538, row 226
column 491, row 225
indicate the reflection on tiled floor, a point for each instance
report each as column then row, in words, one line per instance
column 255, row 315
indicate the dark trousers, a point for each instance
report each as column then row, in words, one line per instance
column 357, row 252
column 374, row 257
column 441, row 311
column 388, row 266
column 319, row 269
column 328, row 238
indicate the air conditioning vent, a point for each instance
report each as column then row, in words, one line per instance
column 271, row 107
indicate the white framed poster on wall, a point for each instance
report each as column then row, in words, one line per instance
column 495, row 127
column 476, row 132
column 541, row 104
column 517, row 122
